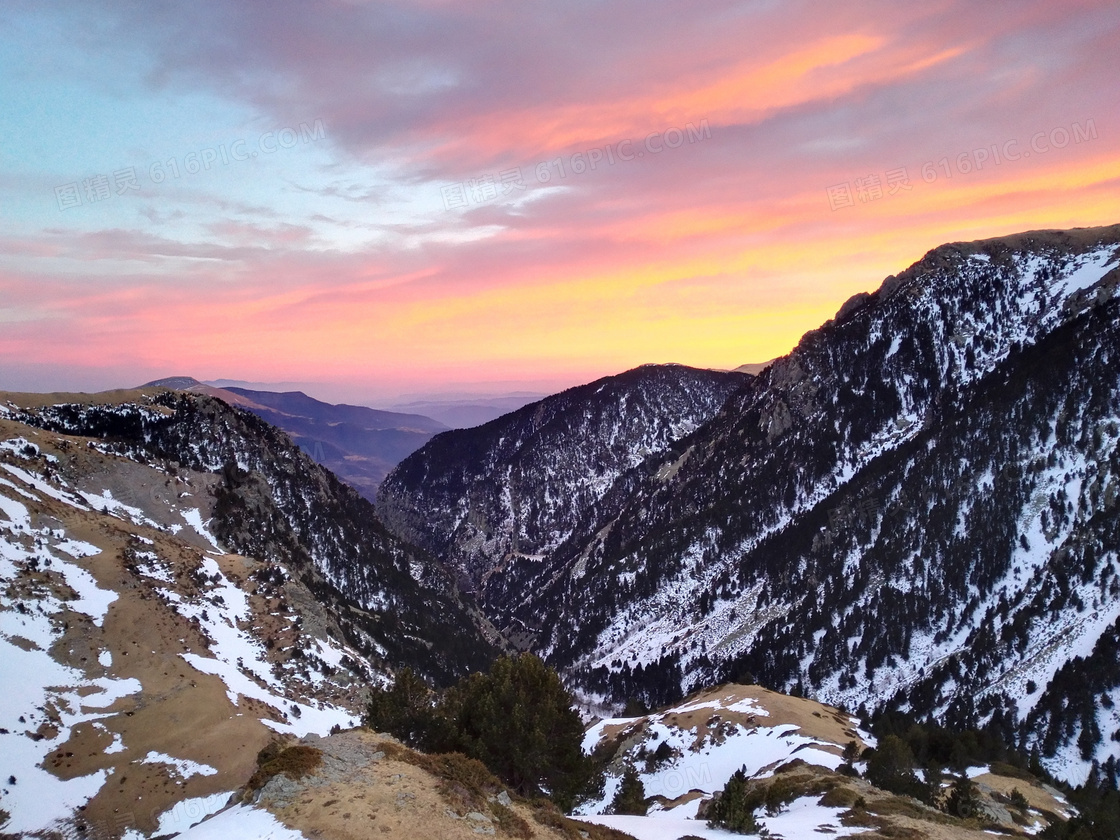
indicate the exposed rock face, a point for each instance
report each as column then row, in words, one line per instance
column 368, row 784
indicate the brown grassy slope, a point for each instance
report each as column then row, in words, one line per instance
column 369, row 785
column 179, row 711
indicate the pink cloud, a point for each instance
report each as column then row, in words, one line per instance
column 728, row 240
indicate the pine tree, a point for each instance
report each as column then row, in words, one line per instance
column 404, row 710
column 1035, row 764
column 631, row 796
column 891, row 767
column 518, row 720
column 851, row 752
column 734, row 809
column 964, row 800
column 933, row 784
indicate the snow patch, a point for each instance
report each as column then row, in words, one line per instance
column 241, row 823
column 193, row 517
column 183, row 767
column 189, row 812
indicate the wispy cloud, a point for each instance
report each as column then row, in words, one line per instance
column 503, row 191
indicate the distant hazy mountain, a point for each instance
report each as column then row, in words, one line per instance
column 177, row 383
column 298, row 404
column 468, row 411
column 358, row 444
column 754, row 368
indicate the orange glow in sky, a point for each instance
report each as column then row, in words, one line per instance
column 377, row 200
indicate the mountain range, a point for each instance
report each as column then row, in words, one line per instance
column 506, row 494
column 916, row 509
column 358, row 444
column 915, row 514
column 179, row 584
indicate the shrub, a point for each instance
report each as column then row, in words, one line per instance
column 294, row 762
column 840, row 797
column 546, row 814
column 662, row 754
column 269, row 752
column 780, row 793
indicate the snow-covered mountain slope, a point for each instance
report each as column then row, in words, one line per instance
column 161, row 622
column 915, row 508
column 270, row 500
column 686, row 754
column 543, row 466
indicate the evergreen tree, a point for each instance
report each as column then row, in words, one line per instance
column 851, row 752
column 891, row 767
column 734, row 808
column 518, row 720
column 631, row 796
column 1035, row 763
column 933, row 784
column 405, row 710
column 964, row 800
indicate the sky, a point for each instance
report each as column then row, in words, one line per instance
column 371, row 200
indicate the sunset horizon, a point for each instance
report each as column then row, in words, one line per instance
column 383, row 200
